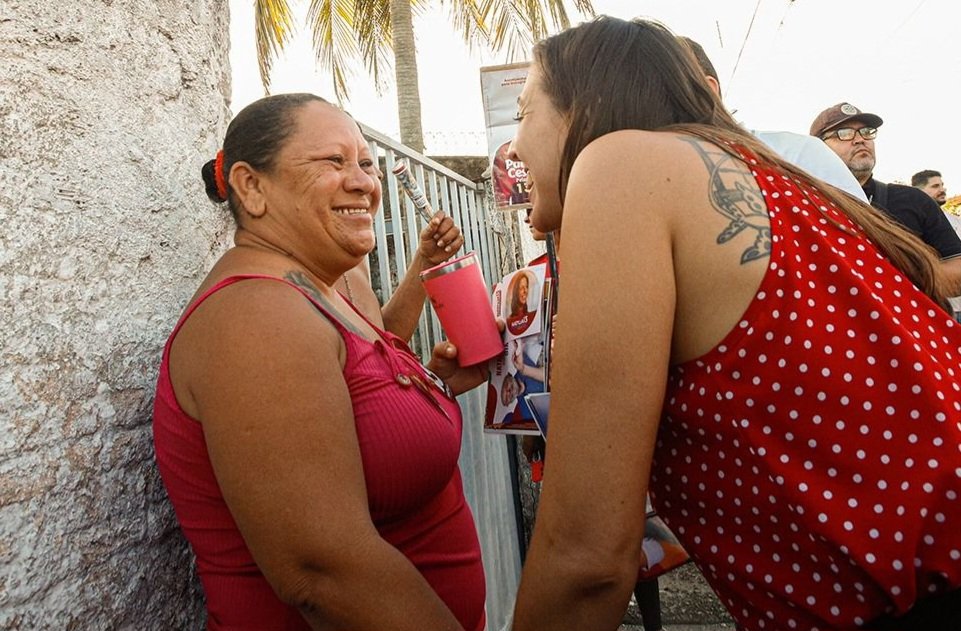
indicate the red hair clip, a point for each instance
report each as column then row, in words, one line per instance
column 219, row 178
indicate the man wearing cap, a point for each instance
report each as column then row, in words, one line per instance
column 850, row 133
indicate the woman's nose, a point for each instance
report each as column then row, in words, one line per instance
column 358, row 178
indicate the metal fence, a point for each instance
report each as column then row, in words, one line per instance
column 484, row 459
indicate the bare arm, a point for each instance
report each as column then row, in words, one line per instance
column 439, row 241
column 264, row 371
column 617, row 253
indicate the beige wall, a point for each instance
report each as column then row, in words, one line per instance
column 107, row 110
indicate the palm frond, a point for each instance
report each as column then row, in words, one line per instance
column 418, row 7
column 586, row 8
column 558, row 13
column 508, row 26
column 273, row 28
column 374, row 38
column 517, row 24
column 331, row 24
column 468, row 18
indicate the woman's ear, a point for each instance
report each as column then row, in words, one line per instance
column 714, row 84
column 248, row 186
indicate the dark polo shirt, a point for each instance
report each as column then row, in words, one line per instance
column 913, row 209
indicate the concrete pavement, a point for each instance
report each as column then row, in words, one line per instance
column 684, row 627
column 687, row 604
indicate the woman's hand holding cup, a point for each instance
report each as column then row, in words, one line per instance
column 443, row 363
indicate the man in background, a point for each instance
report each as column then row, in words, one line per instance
column 931, row 183
column 798, row 149
column 850, row 133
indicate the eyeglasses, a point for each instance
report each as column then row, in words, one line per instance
column 846, row 133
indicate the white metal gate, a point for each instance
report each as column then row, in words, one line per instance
column 484, row 458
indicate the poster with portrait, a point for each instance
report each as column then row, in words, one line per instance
column 661, row 552
column 520, row 369
column 500, row 87
column 522, row 302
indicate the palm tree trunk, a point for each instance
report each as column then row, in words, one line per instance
column 405, row 74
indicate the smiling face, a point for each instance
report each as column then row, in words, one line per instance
column 512, row 388
column 522, row 289
column 324, row 187
column 519, row 289
column 541, row 133
column 857, row 153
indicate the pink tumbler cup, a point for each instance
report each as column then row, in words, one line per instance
column 461, row 301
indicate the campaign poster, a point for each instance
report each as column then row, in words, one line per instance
column 500, row 87
column 520, row 370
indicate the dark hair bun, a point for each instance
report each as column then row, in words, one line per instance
column 210, row 182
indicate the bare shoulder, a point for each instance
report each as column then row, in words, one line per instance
column 252, row 324
column 653, row 159
column 274, row 294
column 267, row 311
column 691, row 183
column 664, row 149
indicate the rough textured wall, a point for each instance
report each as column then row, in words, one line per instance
column 471, row 167
column 107, row 110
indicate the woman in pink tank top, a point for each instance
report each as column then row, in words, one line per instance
column 310, row 458
column 769, row 357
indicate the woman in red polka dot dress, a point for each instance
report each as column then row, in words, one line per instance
column 772, row 362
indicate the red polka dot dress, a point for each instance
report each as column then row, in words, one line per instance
column 810, row 462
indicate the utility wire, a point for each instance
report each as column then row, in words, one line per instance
column 744, row 43
column 790, row 3
column 907, row 19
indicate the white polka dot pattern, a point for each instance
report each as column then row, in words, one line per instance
column 811, row 462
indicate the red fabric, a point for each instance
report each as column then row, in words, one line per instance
column 815, row 486
column 409, row 440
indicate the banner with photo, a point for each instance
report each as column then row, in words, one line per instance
column 500, row 87
column 520, row 370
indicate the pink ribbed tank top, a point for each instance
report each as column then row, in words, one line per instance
column 409, row 432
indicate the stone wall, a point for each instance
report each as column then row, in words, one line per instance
column 107, row 110
column 471, row 167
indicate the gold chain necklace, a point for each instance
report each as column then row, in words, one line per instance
column 350, row 294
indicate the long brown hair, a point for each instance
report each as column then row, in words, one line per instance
column 611, row 74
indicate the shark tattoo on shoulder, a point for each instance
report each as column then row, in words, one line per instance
column 733, row 193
